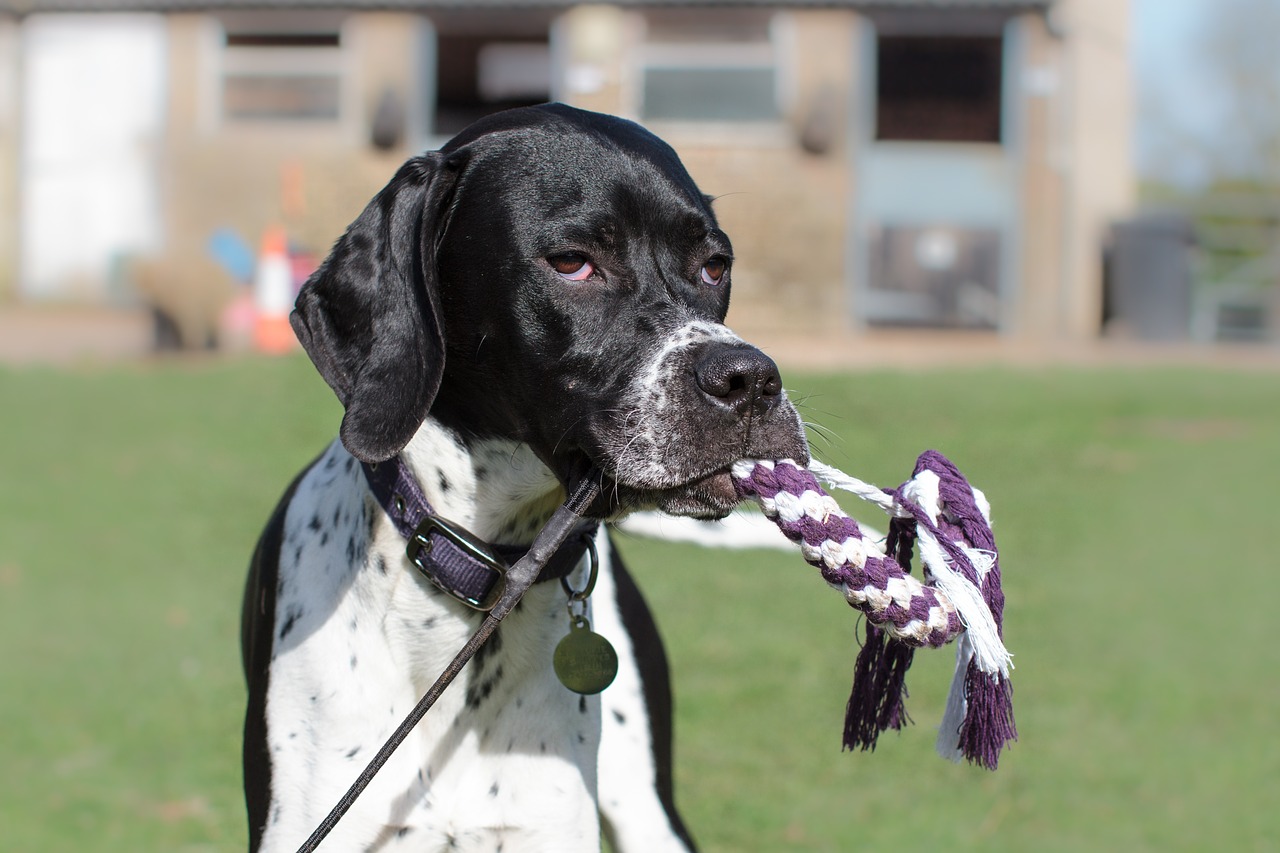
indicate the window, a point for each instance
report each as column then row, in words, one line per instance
column 939, row 88
column 934, row 276
column 478, row 75
column 696, row 67
column 487, row 61
column 272, row 72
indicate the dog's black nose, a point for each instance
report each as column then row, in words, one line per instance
column 739, row 378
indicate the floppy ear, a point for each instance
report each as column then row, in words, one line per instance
column 370, row 315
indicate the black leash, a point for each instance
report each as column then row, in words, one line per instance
column 518, row 580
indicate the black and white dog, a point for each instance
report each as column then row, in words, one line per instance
column 541, row 298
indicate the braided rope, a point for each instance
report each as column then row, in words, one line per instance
column 855, row 565
column 959, row 598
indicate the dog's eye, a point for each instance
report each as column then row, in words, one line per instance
column 572, row 266
column 713, row 271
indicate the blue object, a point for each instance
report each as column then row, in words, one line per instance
column 233, row 254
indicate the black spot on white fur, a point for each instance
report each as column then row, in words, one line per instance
column 488, row 650
column 481, row 688
column 290, row 620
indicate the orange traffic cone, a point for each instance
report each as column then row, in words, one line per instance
column 273, row 295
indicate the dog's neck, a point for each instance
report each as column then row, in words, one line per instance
column 496, row 488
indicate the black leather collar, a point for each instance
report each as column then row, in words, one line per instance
column 456, row 560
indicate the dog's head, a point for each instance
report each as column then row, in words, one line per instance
column 554, row 277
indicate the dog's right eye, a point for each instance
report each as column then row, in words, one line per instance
column 571, row 266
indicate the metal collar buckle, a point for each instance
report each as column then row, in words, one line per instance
column 486, row 593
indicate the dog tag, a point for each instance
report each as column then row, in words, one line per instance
column 584, row 661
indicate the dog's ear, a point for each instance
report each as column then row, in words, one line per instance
column 370, row 315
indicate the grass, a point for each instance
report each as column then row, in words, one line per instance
column 1133, row 510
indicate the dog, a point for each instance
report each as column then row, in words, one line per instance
column 542, row 298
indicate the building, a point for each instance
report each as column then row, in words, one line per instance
column 918, row 163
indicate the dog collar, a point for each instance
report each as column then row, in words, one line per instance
column 453, row 558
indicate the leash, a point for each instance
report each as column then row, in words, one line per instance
column 518, row 579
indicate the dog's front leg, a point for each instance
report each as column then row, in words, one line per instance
column 637, row 800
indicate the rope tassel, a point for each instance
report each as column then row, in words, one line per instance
column 961, row 597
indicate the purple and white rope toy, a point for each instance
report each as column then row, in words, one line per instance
column 959, row 599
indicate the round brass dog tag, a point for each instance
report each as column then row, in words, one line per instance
column 584, row 661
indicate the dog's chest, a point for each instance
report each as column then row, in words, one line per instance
column 506, row 755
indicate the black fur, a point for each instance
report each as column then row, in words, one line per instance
column 455, row 296
column 450, row 265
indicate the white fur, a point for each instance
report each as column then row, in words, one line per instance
column 636, row 820
column 518, row 772
column 645, row 457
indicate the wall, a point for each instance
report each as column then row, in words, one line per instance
column 1098, row 168
column 311, row 178
column 789, row 212
column 785, row 210
column 788, row 209
column 1038, row 311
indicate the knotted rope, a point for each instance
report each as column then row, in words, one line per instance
column 960, row 597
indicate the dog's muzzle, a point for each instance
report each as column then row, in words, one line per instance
column 706, row 403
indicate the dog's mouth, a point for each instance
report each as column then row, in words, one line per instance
column 706, row 496
column 681, row 468
column 710, row 496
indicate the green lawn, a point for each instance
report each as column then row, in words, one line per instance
column 1133, row 509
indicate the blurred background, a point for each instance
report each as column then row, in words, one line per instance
column 1038, row 235
column 1010, row 175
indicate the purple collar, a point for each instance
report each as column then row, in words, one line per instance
column 453, row 558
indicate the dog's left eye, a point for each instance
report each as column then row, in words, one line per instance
column 571, row 266
column 713, row 271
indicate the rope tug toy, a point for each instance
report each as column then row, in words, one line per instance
column 960, row 597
